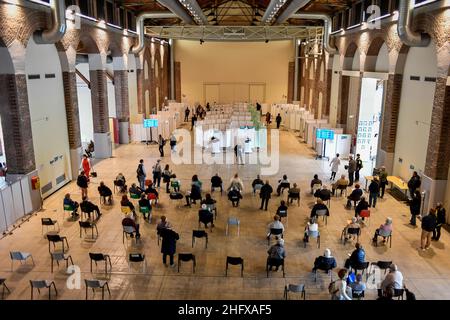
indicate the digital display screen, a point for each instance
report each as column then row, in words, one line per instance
column 150, row 123
column 325, row 134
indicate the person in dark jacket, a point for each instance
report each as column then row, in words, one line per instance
column 82, row 183
column 359, row 166
column 145, row 203
column 125, row 202
column 282, row 210
column 128, row 221
column 383, row 180
column 134, row 189
column 169, row 244
column 234, row 195
column 351, row 167
column 374, row 191
column 255, row 182
column 105, row 192
column 73, row 204
column 414, row 183
column 205, row 216
column 319, row 206
column 362, row 205
column 440, row 220
column 414, row 207
column 186, row 114
column 357, row 257
column 325, row 262
column 193, row 121
column 216, row 182
column 428, row 226
column 265, row 194
column 315, row 181
column 278, row 121
column 196, row 194
column 89, row 207
column 324, row 194
column 355, row 196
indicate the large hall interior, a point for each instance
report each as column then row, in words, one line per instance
column 168, row 149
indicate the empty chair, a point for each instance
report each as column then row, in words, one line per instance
column 199, row 234
column 361, row 266
column 42, row 284
column 59, row 256
column 274, row 232
column 96, row 257
column 295, row 288
column 322, row 213
column 353, row 232
column 137, row 258
column 234, row 261
column 233, row 221
column 47, row 222
column 382, row 265
column 274, row 263
column 20, row 256
column 186, row 257
column 313, row 234
column 4, row 287
column 97, row 284
column 55, row 238
column 88, row 225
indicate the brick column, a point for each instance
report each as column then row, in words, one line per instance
column 327, row 97
column 343, row 100
column 99, row 100
column 140, row 91
column 291, row 76
column 121, row 95
column 16, row 124
column 177, row 81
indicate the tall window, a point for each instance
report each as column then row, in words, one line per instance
column 110, row 12
column 100, row 9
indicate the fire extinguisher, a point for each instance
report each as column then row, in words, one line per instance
column 35, row 183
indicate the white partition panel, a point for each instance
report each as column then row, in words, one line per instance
column 3, row 225
column 18, row 211
column 25, row 184
column 8, row 206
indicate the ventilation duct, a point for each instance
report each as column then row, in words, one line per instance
column 177, row 9
column 292, row 8
column 58, row 27
column 409, row 37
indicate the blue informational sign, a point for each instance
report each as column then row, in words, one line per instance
column 150, row 123
column 325, row 134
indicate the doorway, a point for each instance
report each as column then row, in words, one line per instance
column 369, row 122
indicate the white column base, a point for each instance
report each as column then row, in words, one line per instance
column 103, row 145
column 124, row 136
column 75, row 161
column 435, row 192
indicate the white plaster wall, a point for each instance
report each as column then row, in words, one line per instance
column 132, row 90
column 85, row 105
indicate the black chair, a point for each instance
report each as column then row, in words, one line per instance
column 186, row 257
column 387, row 237
column 274, row 263
column 327, row 271
column 342, row 189
column 138, row 258
column 274, row 232
column 199, row 234
column 284, row 186
column 358, row 295
column 234, row 261
column 47, row 222
column 293, row 196
column 398, row 293
column 296, row 288
column 42, row 284
column 119, row 186
column 96, row 257
column 88, row 225
column 361, row 266
column 3, row 284
column 235, row 201
column 350, row 232
column 382, row 265
column 55, row 238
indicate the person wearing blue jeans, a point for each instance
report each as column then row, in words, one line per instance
column 141, row 175
column 374, row 191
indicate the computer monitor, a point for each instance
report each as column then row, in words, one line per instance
column 150, row 123
column 325, row 134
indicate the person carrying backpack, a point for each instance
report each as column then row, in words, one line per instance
column 140, row 171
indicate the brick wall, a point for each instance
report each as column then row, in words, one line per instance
column 121, row 95
column 99, row 99
column 177, row 81
column 391, row 112
column 291, row 76
column 71, row 104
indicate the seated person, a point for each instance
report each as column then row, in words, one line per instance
column 131, row 221
column 105, row 192
column 125, row 202
column 208, row 199
column 152, row 190
column 362, row 205
column 352, row 225
column 236, row 183
column 234, row 196
column 89, row 207
column 383, row 231
column 163, row 224
column 275, row 224
column 216, row 182
column 311, row 226
column 293, row 193
column 315, row 181
column 340, row 184
column 325, row 262
column 121, row 182
column 175, row 183
column 282, row 210
column 394, row 279
column 355, row 196
column 277, row 253
column 257, row 181
column 145, row 203
column 283, row 183
column 324, row 194
column 357, row 257
column 193, row 196
column 358, row 285
column 134, row 189
column 386, row 294
column 73, row 204
column 319, row 206
column 205, row 216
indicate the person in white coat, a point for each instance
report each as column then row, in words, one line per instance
column 334, row 164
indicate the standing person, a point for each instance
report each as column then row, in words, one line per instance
column 334, row 164
column 82, row 183
column 157, row 173
column 440, row 212
column 383, row 180
column 169, row 244
column 351, row 167
column 264, row 194
column 173, row 142
column 268, row 116
column 414, row 183
column 359, row 166
column 86, row 165
column 238, row 154
column 193, row 121
column 141, row 174
column 167, row 175
column 428, row 226
column 414, row 206
column 374, row 191
column 278, row 120
column 338, row 288
column 186, row 114
column 161, row 144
